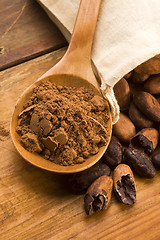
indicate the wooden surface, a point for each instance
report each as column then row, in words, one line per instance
column 36, row 205
column 25, row 32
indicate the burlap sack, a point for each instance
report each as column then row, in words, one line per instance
column 127, row 34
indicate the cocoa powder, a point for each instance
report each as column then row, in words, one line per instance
column 58, row 123
column 3, row 133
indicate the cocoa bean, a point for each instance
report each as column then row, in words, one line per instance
column 134, row 88
column 122, row 93
column 128, row 75
column 124, row 129
column 140, row 162
column 152, row 66
column 139, row 77
column 79, row 182
column 156, row 158
column 152, row 85
column 139, row 119
column 98, row 195
column 124, row 184
column 148, row 104
column 113, row 155
column 146, row 139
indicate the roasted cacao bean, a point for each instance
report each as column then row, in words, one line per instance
column 152, row 85
column 124, row 184
column 124, row 129
column 148, row 105
column 122, row 94
column 139, row 77
column 138, row 118
column 146, row 139
column 139, row 162
column 79, row 182
column 152, row 66
column 156, row 158
column 98, row 195
column 128, row 75
column 113, row 155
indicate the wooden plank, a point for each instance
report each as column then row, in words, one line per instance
column 25, row 32
column 34, row 204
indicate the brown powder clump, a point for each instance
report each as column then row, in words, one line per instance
column 3, row 133
column 58, row 123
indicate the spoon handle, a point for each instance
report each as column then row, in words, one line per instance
column 77, row 59
column 84, row 29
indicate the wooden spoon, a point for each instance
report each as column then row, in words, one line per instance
column 74, row 70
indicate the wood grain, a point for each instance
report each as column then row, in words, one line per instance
column 34, row 204
column 25, row 32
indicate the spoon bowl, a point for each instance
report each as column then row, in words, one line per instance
column 73, row 70
column 37, row 160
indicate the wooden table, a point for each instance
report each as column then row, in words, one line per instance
column 34, row 203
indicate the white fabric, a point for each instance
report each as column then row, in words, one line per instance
column 127, row 34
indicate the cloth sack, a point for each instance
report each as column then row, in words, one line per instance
column 127, row 34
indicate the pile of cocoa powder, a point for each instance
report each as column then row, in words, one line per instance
column 58, row 123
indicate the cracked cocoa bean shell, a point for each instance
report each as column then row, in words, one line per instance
column 113, row 155
column 138, row 118
column 139, row 162
column 148, row 104
column 122, row 93
column 98, row 195
column 79, row 182
column 124, row 184
column 124, row 129
column 146, row 140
